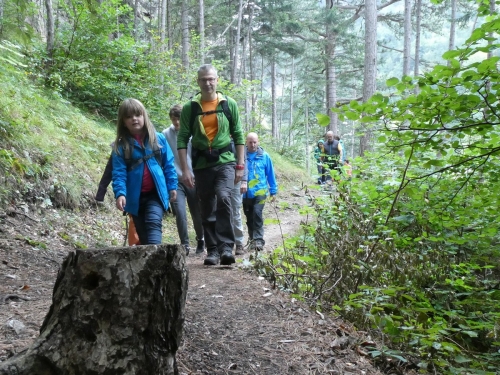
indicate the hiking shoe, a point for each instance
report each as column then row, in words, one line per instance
column 187, row 248
column 227, row 258
column 259, row 245
column 212, row 258
column 240, row 250
column 200, row 248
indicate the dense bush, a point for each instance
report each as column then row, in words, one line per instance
column 410, row 248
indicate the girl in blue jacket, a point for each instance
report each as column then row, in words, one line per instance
column 144, row 176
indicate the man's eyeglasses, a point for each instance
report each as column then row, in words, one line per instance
column 207, row 80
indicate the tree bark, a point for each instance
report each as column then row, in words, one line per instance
column 185, row 35
column 407, row 38
column 202, row 31
column 453, row 23
column 114, row 311
column 50, row 28
column 274, row 125
column 370, row 74
column 236, row 58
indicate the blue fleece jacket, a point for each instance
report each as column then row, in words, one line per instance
column 129, row 183
column 261, row 177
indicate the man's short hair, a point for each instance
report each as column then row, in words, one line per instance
column 207, row 68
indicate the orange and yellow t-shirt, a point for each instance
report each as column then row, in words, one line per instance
column 210, row 121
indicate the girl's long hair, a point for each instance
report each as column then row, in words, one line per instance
column 127, row 108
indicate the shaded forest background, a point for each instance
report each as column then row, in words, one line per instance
column 409, row 249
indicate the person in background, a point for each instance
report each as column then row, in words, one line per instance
column 214, row 164
column 184, row 193
column 318, row 156
column 333, row 154
column 144, row 177
column 262, row 180
column 343, row 155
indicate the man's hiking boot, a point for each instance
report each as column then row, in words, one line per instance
column 200, row 248
column 259, row 245
column 212, row 258
column 187, row 248
column 227, row 258
column 240, row 250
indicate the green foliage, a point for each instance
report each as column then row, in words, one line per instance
column 40, row 134
column 410, row 248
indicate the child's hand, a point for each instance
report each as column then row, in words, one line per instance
column 121, row 201
column 173, row 195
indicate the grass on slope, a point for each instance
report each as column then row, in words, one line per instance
column 51, row 151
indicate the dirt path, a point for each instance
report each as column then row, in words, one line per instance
column 235, row 324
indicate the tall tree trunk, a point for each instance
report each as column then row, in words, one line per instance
column 370, row 71
column 136, row 21
column 114, row 311
column 170, row 42
column 490, row 42
column 418, row 26
column 307, row 154
column 185, row 35
column 331, row 79
column 202, row 31
column 291, row 101
column 407, row 38
column 250, row 65
column 163, row 24
column 50, row 28
column 453, row 25
column 274, row 125
column 236, row 57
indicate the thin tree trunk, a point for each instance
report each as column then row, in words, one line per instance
column 274, row 126
column 407, row 38
column 163, row 23
column 291, row 100
column 136, row 20
column 307, row 154
column 418, row 26
column 50, row 28
column 490, row 42
column 331, row 79
column 250, row 65
column 370, row 71
column 169, row 26
column 202, row 31
column 453, row 23
column 185, row 35
column 234, row 71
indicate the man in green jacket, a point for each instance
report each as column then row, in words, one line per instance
column 214, row 165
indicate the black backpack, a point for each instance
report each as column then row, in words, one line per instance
column 134, row 163
column 196, row 111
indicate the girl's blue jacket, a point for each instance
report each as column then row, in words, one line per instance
column 129, row 183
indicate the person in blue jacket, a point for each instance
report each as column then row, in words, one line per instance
column 261, row 184
column 144, row 176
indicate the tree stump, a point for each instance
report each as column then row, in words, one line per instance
column 114, row 311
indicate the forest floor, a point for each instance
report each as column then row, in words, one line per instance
column 235, row 322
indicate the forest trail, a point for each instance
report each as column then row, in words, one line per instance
column 235, row 322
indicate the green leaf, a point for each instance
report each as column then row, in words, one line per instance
column 323, row 120
column 391, row 82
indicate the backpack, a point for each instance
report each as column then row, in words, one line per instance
column 134, row 163
column 196, row 111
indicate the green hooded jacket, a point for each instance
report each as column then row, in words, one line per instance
column 199, row 138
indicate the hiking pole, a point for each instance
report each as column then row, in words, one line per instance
column 126, row 229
